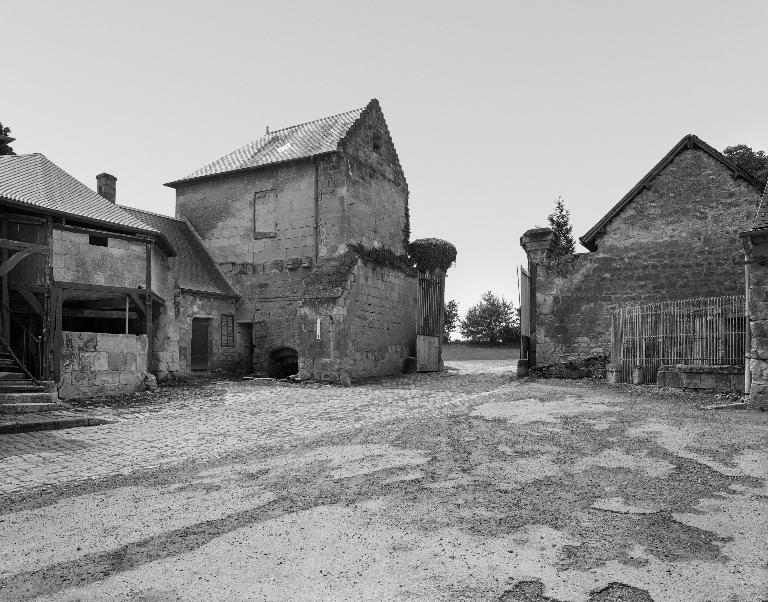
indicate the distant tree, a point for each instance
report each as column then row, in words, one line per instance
column 4, row 148
column 492, row 321
column 560, row 222
column 450, row 319
column 753, row 162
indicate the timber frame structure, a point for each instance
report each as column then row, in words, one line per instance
column 36, row 304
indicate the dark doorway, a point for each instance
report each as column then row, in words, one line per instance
column 245, row 346
column 199, row 355
column 283, row 362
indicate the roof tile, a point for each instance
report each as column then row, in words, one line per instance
column 193, row 265
column 295, row 142
column 35, row 180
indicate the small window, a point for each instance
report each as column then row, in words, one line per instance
column 227, row 330
column 376, row 143
column 98, row 241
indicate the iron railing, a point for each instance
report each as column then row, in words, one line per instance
column 704, row 331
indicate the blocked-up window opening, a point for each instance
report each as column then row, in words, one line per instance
column 376, row 143
column 98, row 241
column 227, row 330
column 264, row 214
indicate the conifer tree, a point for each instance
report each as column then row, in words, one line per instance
column 4, row 148
column 560, row 222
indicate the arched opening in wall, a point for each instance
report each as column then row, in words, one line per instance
column 283, row 362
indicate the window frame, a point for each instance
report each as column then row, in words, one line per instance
column 227, row 330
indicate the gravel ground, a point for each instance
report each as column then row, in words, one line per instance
column 461, row 486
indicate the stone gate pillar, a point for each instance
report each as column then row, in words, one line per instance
column 538, row 244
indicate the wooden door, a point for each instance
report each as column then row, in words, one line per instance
column 199, row 353
column 427, row 353
column 245, row 346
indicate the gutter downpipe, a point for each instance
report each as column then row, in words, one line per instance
column 748, row 330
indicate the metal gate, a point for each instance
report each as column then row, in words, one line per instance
column 705, row 331
column 429, row 335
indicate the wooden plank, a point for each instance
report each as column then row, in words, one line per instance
column 427, row 353
column 16, row 245
column 32, row 300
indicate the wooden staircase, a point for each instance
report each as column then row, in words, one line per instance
column 19, row 393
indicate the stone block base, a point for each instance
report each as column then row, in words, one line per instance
column 709, row 378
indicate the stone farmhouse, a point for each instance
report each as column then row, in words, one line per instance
column 674, row 235
column 283, row 257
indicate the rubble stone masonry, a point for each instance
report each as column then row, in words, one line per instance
column 280, row 234
column 677, row 239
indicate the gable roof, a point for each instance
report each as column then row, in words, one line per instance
column 589, row 240
column 193, row 265
column 35, row 181
column 760, row 224
column 301, row 141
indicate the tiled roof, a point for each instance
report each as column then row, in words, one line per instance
column 193, row 265
column 589, row 240
column 295, row 142
column 34, row 180
column 761, row 219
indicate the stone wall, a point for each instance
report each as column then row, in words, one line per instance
column 758, row 325
column 189, row 306
column 677, row 239
column 122, row 263
column 378, row 191
column 369, row 331
column 95, row 364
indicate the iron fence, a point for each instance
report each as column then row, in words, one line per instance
column 704, row 331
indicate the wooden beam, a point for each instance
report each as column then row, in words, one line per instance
column 5, row 318
column 11, row 263
column 112, row 314
column 134, row 295
column 32, row 300
column 16, row 245
column 148, row 311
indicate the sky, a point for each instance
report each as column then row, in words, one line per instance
column 495, row 108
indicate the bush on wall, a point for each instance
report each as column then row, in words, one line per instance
column 431, row 253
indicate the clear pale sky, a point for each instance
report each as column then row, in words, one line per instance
column 495, row 108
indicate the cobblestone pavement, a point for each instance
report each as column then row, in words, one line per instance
column 219, row 418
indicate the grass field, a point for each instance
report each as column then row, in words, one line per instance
column 465, row 351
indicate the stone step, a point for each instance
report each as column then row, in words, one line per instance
column 11, row 375
column 23, row 408
column 20, row 386
column 24, row 397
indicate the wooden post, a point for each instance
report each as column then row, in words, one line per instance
column 148, row 306
column 127, row 301
column 5, row 326
column 57, row 300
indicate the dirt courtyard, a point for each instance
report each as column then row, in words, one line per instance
column 463, row 485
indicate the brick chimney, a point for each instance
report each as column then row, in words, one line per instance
column 106, row 186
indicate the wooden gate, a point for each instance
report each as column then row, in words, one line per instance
column 525, row 313
column 705, row 331
column 429, row 336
